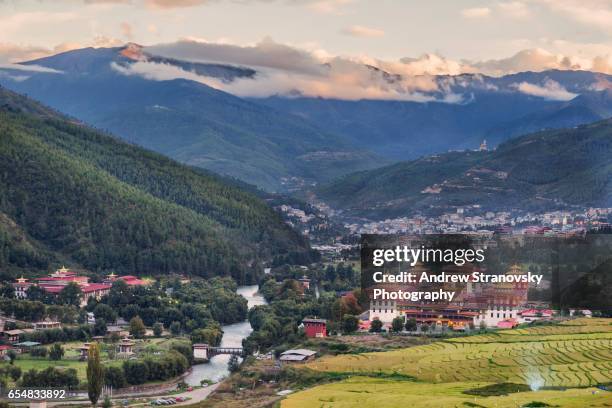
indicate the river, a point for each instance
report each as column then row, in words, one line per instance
column 233, row 334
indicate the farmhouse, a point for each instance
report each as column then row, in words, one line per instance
column 297, row 356
column 12, row 336
column 47, row 324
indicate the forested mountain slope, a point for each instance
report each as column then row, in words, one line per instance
column 540, row 171
column 187, row 120
column 72, row 194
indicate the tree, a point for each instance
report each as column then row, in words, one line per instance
column 70, row 295
column 137, row 327
column 100, row 328
column 12, row 355
column 397, row 324
column 175, row 328
column 376, row 325
column 56, row 352
column 114, row 377
column 105, row 312
column 233, row 365
column 7, row 291
column 411, row 324
column 95, row 373
column 158, row 329
column 424, row 328
column 350, row 323
column 15, row 373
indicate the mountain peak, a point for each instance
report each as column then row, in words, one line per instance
column 133, row 51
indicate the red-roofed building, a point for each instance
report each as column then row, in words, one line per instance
column 315, row 327
column 4, row 350
column 58, row 280
column 130, row 280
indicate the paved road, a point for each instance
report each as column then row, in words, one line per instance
column 197, row 395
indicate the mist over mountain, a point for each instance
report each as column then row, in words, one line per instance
column 552, row 169
column 487, row 108
column 187, row 120
column 151, row 97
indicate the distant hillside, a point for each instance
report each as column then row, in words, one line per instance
column 187, row 120
column 71, row 194
column 545, row 170
column 489, row 108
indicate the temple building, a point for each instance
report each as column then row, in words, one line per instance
column 58, row 280
column 492, row 305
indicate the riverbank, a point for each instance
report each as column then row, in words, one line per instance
column 233, row 334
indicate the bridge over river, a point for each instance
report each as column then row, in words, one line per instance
column 202, row 351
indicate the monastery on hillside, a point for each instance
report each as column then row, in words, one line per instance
column 58, row 280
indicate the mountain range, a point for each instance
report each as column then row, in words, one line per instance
column 287, row 142
column 486, row 108
column 546, row 170
column 71, row 194
column 186, row 120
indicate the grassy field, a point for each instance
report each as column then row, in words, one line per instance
column 148, row 347
column 573, row 355
column 371, row 392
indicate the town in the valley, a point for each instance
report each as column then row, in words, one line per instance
column 170, row 339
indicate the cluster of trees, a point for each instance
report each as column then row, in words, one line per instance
column 39, row 305
column 23, row 309
column 79, row 333
column 171, row 364
column 50, row 377
column 110, row 205
column 9, row 371
column 296, row 258
column 199, row 305
column 277, row 322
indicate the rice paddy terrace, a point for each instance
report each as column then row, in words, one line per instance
column 561, row 362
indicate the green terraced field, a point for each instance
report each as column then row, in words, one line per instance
column 575, row 355
column 370, row 392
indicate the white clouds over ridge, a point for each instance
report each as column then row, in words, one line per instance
column 287, row 70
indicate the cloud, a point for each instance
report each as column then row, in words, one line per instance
column 127, row 30
column 514, row 9
column 167, row 4
column 10, row 52
column 362, row 31
column 589, row 12
column 550, row 90
column 325, row 6
column 343, row 81
column 265, row 54
column 286, row 70
column 476, row 12
column 526, row 60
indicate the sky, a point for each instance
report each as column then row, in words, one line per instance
column 386, row 29
column 291, row 39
